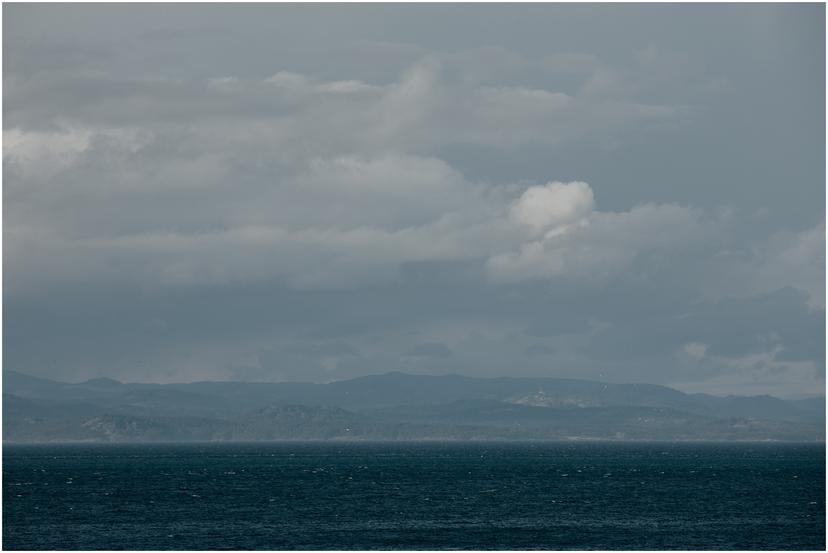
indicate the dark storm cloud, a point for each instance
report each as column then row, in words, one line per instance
column 279, row 192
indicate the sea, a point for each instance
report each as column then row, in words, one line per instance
column 409, row 496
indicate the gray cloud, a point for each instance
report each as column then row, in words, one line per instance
column 431, row 349
column 589, row 192
column 538, row 350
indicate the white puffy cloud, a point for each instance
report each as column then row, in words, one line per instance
column 553, row 205
column 286, row 79
column 695, row 350
column 595, row 244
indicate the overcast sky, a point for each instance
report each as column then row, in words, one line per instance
column 315, row 192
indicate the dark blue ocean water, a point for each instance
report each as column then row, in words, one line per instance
column 414, row 496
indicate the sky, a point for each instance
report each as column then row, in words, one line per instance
column 627, row 193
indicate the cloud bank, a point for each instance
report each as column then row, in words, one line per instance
column 224, row 197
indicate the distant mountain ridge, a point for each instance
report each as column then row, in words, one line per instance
column 393, row 406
